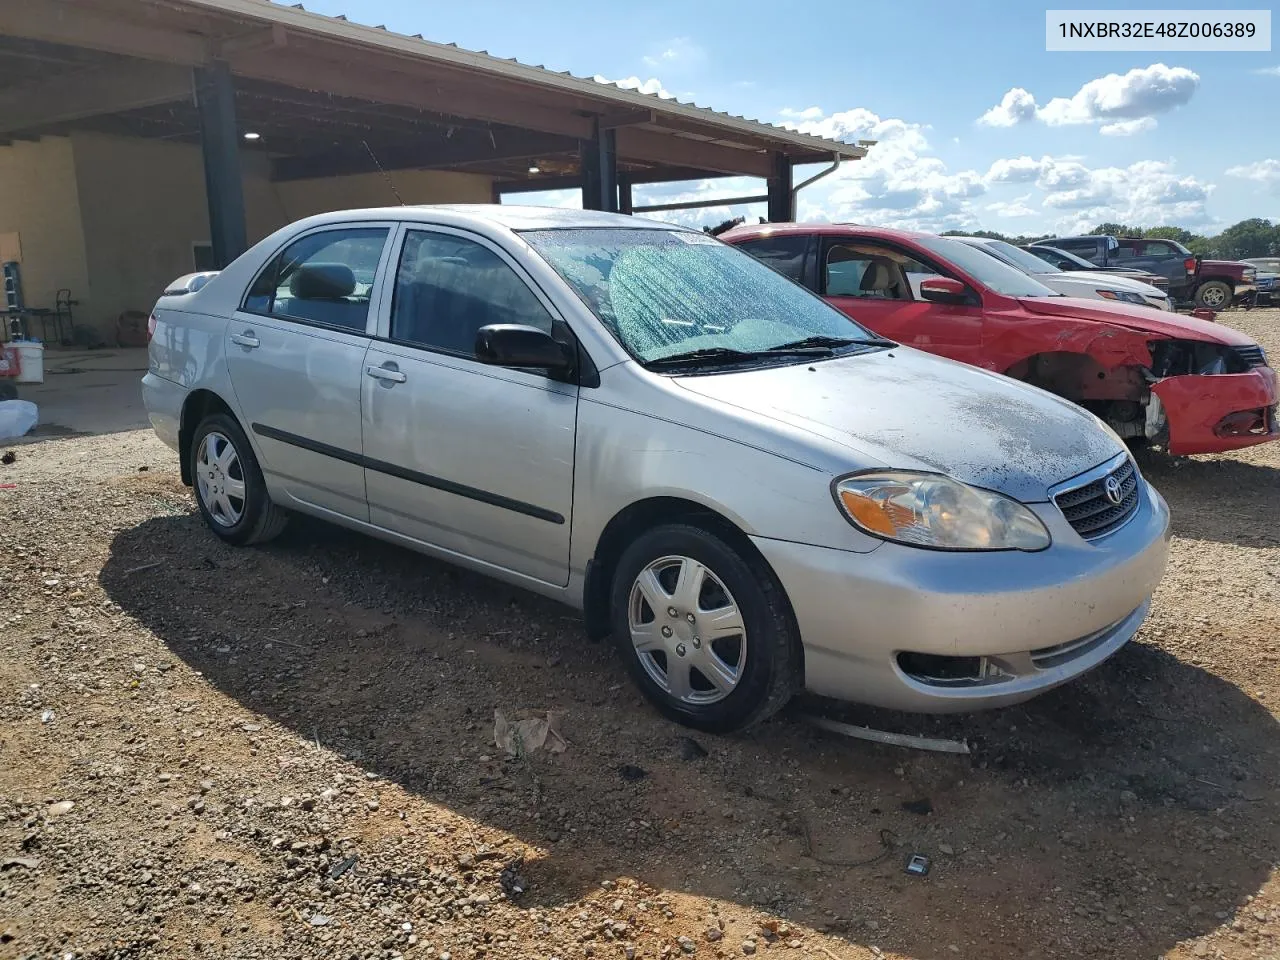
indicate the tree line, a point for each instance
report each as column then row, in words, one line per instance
column 1248, row 238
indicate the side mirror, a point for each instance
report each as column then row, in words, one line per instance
column 943, row 290
column 521, row 346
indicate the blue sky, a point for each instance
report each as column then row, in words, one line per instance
column 978, row 125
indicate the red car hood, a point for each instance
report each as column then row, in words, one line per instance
column 1156, row 322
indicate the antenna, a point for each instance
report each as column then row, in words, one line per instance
column 385, row 175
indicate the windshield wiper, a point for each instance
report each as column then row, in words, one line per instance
column 710, row 355
column 821, row 340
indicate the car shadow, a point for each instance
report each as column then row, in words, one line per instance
column 1128, row 811
column 1217, row 498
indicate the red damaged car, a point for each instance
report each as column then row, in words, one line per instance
column 1176, row 381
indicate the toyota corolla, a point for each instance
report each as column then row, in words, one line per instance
column 751, row 493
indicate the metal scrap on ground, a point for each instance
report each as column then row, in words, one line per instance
column 893, row 739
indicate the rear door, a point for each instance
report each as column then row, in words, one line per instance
column 474, row 459
column 295, row 355
column 878, row 285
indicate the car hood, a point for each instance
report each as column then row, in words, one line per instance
column 912, row 411
column 1091, row 281
column 1160, row 324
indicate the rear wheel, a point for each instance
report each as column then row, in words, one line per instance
column 230, row 491
column 705, row 630
column 1214, row 295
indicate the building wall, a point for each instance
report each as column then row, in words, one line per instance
column 39, row 201
column 143, row 205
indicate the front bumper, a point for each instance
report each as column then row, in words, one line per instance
column 1198, row 407
column 1040, row 618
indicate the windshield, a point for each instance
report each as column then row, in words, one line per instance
column 1062, row 259
column 986, row 269
column 668, row 292
column 1020, row 258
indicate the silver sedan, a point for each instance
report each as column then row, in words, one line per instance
column 750, row 493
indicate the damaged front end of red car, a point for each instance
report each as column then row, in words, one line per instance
column 1212, row 397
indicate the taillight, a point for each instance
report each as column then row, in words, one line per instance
column 151, row 326
column 1190, row 264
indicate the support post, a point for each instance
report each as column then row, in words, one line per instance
column 600, row 171
column 625, row 204
column 219, row 144
column 782, row 207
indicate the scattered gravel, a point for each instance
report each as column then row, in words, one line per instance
column 288, row 752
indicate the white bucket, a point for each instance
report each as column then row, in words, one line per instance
column 32, row 359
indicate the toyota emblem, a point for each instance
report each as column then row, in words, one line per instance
column 1112, row 488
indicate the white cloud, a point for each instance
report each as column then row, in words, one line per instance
column 1263, row 171
column 1014, row 107
column 1268, row 72
column 1022, row 169
column 1127, row 128
column 808, row 113
column 1123, row 104
column 1013, row 208
column 1145, row 193
column 678, row 50
column 652, row 86
column 898, row 183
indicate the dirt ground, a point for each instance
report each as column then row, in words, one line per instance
column 288, row 752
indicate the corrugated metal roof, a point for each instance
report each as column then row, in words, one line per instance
column 296, row 16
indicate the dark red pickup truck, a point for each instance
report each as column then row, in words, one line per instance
column 1215, row 284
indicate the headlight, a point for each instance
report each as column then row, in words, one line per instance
column 1125, row 295
column 930, row 510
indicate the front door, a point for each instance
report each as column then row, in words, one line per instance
column 295, row 354
column 878, row 286
column 474, row 459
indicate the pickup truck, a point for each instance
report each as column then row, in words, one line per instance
column 1215, row 284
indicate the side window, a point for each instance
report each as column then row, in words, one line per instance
column 448, row 287
column 784, row 253
column 1159, row 248
column 864, row 272
column 1087, row 247
column 324, row 278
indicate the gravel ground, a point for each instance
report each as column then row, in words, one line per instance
column 288, row 752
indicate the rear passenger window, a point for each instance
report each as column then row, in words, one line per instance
column 784, row 253
column 448, row 287
column 325, row 278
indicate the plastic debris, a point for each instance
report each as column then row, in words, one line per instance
column 342, row 866
column 521, row 737
column 17, row 417
column 892, row 739
column 917, row 866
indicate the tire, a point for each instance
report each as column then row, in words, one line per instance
column 758, row 665
column 230, row 491
column 1214, row 295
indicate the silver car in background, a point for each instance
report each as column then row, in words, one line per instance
column 748, row 491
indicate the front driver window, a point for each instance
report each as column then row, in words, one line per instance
column 448, row 287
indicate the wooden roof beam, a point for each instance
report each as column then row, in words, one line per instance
column 78, row 26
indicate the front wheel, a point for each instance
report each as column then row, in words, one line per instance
column 230, row 491
column 1214, row 295
column 705, row 630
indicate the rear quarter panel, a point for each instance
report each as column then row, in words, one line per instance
column 188, row 348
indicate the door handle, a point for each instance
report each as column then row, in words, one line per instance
column 246, row 339
column 388, row 371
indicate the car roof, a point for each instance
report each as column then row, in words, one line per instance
column 750, row 231
column 510, row 216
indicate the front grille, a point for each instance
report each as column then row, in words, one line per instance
column 1160, row 283
column 1091, row 512
column 1252, row 355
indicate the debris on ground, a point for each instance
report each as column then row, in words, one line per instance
column 921, row 807
column 631, row 773
column 17, row 418
column 892, row 739
column 519, row 738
